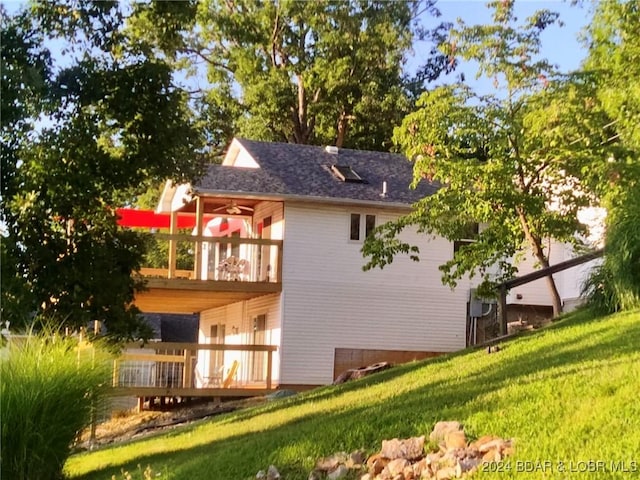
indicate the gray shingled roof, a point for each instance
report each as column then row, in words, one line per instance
column 304, row 170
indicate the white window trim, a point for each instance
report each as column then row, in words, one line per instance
column 363, row 226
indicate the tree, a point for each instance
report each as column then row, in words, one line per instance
column 102, row 125
column 513, row 161
column 614, row 54
column 318, row 72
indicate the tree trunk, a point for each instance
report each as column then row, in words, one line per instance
column 342, row 130
column 555, row 295
column 302, row 125
column 343, row 127
column 538, row 252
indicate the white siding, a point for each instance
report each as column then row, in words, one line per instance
column 273, row 210
column 329, row 302
column 239, row 317
column 568, row 282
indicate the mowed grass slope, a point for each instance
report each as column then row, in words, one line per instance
column 568, row 394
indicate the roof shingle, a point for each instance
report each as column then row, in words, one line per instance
column 304, row 170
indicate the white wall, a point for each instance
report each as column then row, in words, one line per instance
column 568, row 282
column 237, row 156
column 240, row 316
column 329, row 302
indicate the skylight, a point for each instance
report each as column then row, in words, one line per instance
column 346, row 174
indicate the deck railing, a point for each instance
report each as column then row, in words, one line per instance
column 214, row 258
column 190, row 366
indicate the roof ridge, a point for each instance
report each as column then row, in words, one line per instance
column 321, row 147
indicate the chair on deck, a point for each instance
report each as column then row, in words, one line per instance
column 233, row 268
column 212, row 381
column 233, row 371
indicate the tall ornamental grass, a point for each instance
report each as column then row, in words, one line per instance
column 49, row 386
column 623, row 249
column 615, row 285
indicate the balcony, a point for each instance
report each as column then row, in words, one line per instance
column 189, row 273
column 167, row 370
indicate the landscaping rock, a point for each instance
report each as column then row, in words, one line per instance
column 376, row 464
column 410, row 448
column 404, row 459
column 455, row 439
column 356, row 459
column 441, row 429
column 397, row 466
column 331, row 462
column 340, row 471
column 272, row 473
column 446, row 473
column 355, row 373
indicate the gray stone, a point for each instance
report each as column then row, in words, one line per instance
column 356, row 459
column 330, row 463
column 315, row 475
column 340, row 472
column 273, row 473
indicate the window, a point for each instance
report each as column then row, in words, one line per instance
column 369, row 224
column 355, row 226
column 468, row 237
column 359, row 229
column 346, row 173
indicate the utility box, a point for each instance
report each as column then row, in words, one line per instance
column 478, row 307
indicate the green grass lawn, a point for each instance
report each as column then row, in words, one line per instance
column 568, row 395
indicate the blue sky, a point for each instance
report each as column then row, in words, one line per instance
column 560, row 45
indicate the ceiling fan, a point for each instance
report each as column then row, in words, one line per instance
column 233, row 208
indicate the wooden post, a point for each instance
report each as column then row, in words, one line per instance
column 269, row 368
column 115, row 372
column 173, row 244
column 279, row 272
column 198, row 246
column 502, row 309
column 186, row 370
column 94, row 420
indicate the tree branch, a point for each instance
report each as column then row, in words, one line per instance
column 213, row 63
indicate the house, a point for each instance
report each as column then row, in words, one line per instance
column 277, row 238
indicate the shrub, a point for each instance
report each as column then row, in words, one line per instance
column 600, row 291
column 623, row 249
column 615, row 285
column 50, row 384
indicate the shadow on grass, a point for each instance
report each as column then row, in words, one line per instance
column 293, row 446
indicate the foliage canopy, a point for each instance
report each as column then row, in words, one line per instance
column 80, row 137
column 318, row 72
column 613, row 59
column 517, row 161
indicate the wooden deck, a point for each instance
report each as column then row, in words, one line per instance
column 179, row 295
column 211, row 283
column 169, row 370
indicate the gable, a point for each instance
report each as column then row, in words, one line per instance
column 238, row 156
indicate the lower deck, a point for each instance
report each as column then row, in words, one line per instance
column 169, row 370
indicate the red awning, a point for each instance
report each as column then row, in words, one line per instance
column 128, row 217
